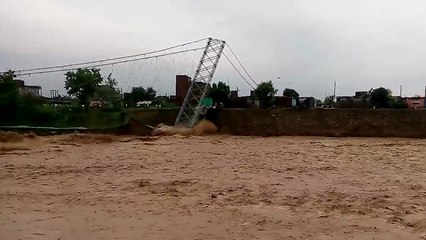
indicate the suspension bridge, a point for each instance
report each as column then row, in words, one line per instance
column 191, row 108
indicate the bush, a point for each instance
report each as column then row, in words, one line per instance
column 46, row 115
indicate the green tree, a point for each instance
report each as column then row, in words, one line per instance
column 142, row 94
column 380, row 97
column 329, row 101
column 111, row 82
column 265, row 92
column 318, row 102
column 9, row 92
column 220, row 92
column 108, row 92
column 17, row 108
column 82, row 84
column 150, row 93
column 288, row 92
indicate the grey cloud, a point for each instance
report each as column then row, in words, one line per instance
column 308, row 44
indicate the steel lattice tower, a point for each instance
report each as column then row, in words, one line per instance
column 191, row 107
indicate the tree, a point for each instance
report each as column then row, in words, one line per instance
column 220, row 92
column 380, row 97
column 108, row 92
column 138, row 94
column 142, row 94
column 329, row 101
column 17, row 108
column 9, row 92
column 288, row 92
column 397, row 103
column 82, row 84
column 318, row 102
column 150, row 93
column 111, row 82
column 265, row 92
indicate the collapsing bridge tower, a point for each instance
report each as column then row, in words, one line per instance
column 191, row 107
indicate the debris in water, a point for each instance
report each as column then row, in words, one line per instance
column 204, row 127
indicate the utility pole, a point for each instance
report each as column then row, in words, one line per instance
column 334, row 95
column 400, row 90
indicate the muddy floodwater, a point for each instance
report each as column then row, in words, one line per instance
column 213, row 187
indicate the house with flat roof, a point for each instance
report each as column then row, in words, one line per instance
column 28, row 89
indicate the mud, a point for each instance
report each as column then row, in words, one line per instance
column 200, row 129
column 78, row 138
column 10, row 141
column 215, row 187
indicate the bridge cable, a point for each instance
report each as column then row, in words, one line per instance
column 239, row 73
column 107, row 59
column 110, row 63
column 241, row 64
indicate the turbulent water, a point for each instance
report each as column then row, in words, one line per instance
column 202, row 128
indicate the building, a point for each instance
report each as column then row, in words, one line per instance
column 352, row 102
column 285, row 102
column 182, row 85
column 360, row 100
column 128, row 100
column 59, row 100
column 416, row 102
column 361, row 94
column 252, row 94
column 233, row 94
column 28, row 89
column 306, row 102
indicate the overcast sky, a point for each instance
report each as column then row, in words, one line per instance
column 301, row 44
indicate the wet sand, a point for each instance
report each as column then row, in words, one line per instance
column 214, row 187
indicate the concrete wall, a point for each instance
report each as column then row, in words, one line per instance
column 321, row 122
column 308, row 122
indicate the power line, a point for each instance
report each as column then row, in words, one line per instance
column 238, row 71
column 110, row 63
column 107, row 59
column 241, row 64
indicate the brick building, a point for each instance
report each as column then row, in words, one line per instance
column 416, row 102
column 182, row 85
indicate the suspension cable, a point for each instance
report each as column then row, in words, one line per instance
column 107, row 59
column 239, row 73
column 241, row 64
column 110, row 63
